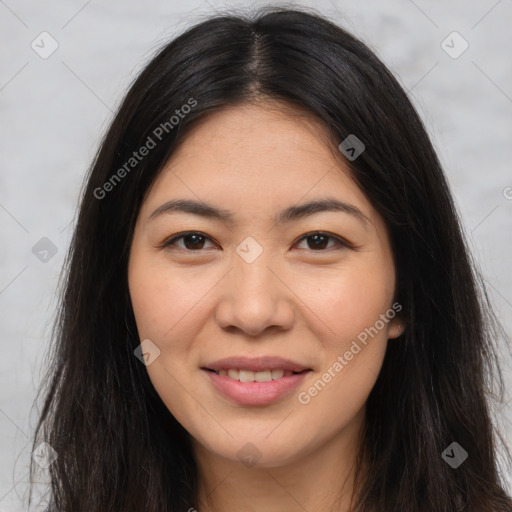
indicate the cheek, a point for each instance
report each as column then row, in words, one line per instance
column 350, row 304
column 349, row 301
column 166, row 306
column 352, row 354
column 162, row 298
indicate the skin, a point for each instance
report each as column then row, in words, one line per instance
column 198, row 305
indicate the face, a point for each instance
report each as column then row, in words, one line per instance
column 268, row 321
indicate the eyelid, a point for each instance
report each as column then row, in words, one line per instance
column 341, row 242
column 168, row 242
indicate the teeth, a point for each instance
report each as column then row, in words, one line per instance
column 264, row 376
column 250, row 376
column 246, row 376
column 277, row 374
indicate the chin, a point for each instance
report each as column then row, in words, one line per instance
column 252, row 452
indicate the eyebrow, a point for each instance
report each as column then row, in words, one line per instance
column 287, row 215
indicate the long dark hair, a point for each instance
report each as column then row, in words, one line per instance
column 118, row 446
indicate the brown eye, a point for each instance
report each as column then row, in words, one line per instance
column 192, row 241
column 319, row 241
column 195, row 241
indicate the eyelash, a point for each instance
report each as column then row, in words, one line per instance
column 342, row 243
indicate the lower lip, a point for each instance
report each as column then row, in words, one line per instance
column 255, row 393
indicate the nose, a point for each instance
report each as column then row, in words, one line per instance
column 255, row 297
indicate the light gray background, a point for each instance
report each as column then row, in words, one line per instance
column 54, row 110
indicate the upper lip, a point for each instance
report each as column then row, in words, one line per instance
column 256, row 364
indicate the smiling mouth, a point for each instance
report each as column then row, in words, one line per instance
column 255, row 376
column 257, row 386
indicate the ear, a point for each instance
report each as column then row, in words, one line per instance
column 396, row 327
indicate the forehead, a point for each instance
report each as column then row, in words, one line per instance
column 256, row 132
column 256, row 157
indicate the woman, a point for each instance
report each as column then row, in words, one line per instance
column 268, row 303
